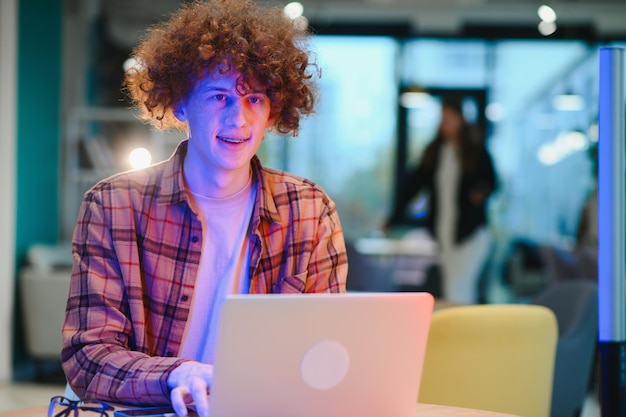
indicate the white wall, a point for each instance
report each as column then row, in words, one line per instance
column 8, row 140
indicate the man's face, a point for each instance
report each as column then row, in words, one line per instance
column 225, row 127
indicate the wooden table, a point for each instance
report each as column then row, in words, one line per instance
column 421, row 410
column 432, row 410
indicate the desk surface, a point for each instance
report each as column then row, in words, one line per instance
column 421, row 410
column 382, row 246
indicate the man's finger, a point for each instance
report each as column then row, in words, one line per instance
column 177, row 398
column 200, row 394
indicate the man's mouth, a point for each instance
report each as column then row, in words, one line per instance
column 232, row 140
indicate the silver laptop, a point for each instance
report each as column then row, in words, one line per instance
column 330, row 355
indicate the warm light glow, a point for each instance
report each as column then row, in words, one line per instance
column 294, row 10
column 547, row 13
column 139, row 158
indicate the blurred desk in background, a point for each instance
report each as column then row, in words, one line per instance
column 383, row 246
column 411, row 261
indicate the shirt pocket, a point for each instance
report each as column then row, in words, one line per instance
column 292, row 284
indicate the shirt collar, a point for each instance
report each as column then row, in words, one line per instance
column 264, row 196
column 173, row 184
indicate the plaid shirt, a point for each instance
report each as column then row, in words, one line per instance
column 136, row 251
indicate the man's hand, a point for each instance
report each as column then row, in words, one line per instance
column 190, row 382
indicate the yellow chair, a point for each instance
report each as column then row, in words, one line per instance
column 491, row 357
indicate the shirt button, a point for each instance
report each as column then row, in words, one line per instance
column 194, row 239
column 184, row 297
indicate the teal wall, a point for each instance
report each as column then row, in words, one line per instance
column 38, row 130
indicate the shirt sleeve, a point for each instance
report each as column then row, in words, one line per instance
column 410, row 186
column 98, row 356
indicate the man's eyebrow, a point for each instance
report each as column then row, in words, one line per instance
column 214, row 88
column 250, row 90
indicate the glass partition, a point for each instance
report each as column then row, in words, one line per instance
column 348, row 146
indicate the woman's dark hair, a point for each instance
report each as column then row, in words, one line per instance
column 470, row 140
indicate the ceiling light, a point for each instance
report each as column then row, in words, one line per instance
column 546, row 13
column 546, row 28
column 294, row 10
column 573, row 141
column 564, row 145
column 568, row 102
column 494, row 112
column 415, row 99
column 548, row 155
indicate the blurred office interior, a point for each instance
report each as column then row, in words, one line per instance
column 531, row 84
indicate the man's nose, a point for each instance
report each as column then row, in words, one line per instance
column 237, row 113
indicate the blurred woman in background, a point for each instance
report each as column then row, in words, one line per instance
column 457, row 172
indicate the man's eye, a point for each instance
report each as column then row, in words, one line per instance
column 219, row 97
column 255, row 99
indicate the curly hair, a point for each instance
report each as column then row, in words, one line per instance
column 261, row 44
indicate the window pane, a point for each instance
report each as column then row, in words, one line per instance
column 348, row 146
column 522, row 78
column 528, row 75
column 445, row 63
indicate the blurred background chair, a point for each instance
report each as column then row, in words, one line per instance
column 575, row 304
column 44, row 285
column 491, row 357
column 525, row 269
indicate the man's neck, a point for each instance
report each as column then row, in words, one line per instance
column 213, row 184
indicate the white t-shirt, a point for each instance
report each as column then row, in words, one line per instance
column 223, row 266
column 447, row 182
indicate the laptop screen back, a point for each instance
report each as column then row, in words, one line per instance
column 331, row 355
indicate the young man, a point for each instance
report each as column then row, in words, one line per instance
column 157, row 250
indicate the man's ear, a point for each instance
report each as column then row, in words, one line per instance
column 180, row 112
